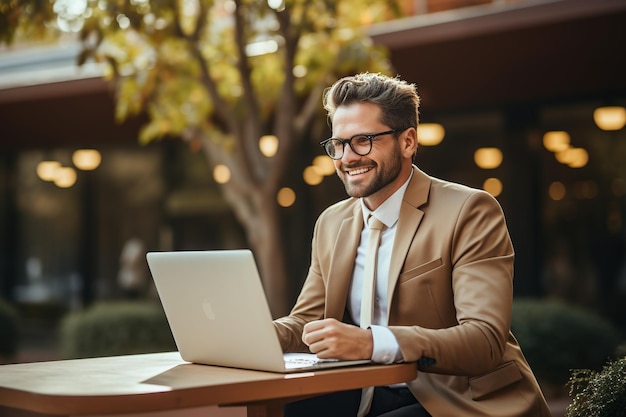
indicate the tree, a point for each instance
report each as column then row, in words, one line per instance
column 222, row 73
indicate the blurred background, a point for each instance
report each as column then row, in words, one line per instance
column 525, row 99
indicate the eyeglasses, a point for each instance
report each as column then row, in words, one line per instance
column 361, row 144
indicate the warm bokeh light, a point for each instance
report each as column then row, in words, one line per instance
column 268, row 145
column 557, row 191
column 46, row 170
column 430, row 134
column 573, row 157
column 579, row 158
column 312, row 176
column 299, row 71
column 221, row 174
column 610, row 117
column 65, row 177
column 276, row 4
column 286, row 197
column 556, row 141
column 493, row 186
column 488, row 158
column 269, row 46
column 324, row 165
column 86, row 159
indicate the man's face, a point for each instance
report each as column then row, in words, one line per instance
column 375, row 176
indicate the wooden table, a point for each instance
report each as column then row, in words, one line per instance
column 163, row 381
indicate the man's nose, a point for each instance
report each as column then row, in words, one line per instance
column 349, row 154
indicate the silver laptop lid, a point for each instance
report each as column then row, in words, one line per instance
column 216, row 308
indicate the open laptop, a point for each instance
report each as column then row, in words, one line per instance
column 218, row 314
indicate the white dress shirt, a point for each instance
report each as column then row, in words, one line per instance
column 386, row 349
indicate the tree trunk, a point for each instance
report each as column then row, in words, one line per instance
column 258, row 212
column 265, row 237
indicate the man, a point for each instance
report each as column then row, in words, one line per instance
column 443, row 286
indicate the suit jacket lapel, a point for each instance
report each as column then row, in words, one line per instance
column 410, row 217
column 342, row 263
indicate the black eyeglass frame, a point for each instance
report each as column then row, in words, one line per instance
column 369, row 136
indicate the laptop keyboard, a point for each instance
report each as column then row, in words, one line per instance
column 302, row 361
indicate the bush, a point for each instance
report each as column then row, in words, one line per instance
column 116, row 328
column 9, row 335
column 599, row 394
column 557, row 338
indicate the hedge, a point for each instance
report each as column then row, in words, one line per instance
column 557, row 338
column 116, row 328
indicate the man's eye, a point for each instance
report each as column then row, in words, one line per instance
column 361, row 140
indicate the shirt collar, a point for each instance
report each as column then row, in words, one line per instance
column 389, row 211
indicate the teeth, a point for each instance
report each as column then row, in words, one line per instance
column 358, row 171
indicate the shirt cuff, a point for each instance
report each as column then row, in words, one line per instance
column 386, row 349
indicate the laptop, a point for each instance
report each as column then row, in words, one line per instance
column 218, row 314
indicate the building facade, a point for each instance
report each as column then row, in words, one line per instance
column 497, row 75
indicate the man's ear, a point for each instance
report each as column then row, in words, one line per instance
column 409, row 143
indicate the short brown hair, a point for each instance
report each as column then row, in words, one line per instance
column 398, row 100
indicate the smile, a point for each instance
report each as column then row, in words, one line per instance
column 358, row 171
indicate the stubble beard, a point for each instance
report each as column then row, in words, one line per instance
column 389, row 171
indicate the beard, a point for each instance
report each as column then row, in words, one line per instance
column 386, row 172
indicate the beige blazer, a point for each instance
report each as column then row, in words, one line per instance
column 450, row 295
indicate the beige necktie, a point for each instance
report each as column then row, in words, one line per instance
column 367, row 300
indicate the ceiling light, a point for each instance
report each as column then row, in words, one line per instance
column 557, row 191
column 268, row 145
column 493, row 186
column 286, row 197
column 573, row 157
column 430, row 134
column 324, row 165
column 86, row 159
column 221, row 174
column 610, row 117
column 65, row 177
column 312, row 175
column 488, row 158
column 556, row 141
column 46, row 170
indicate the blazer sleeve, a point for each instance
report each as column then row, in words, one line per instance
column 309, row 306
column 477, row 280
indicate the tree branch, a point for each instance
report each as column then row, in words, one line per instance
column 309, row 109
column 242, row 165
column 220, row 107
column 286, row 109
column 251, row 123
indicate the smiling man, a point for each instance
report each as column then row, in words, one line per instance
column 433, row 286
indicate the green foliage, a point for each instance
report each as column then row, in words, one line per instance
column 599, row 394
column 116, row 328
column 28, row 16
column 221, row 74
column 556, row 338
column 203, row 52
column 9, row 334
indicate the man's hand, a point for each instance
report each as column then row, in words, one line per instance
column 332, row 339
